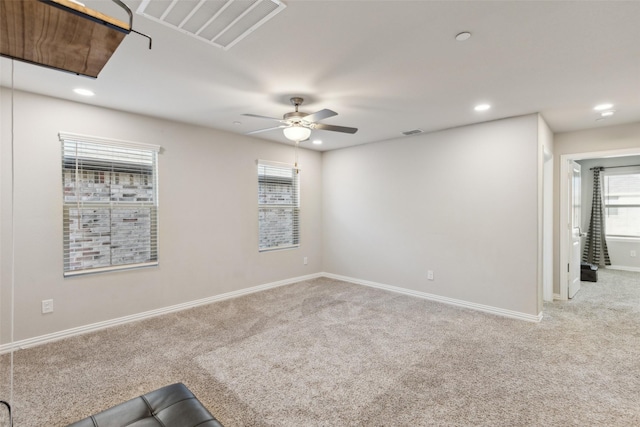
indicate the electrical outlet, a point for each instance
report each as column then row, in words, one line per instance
column 430, row 275
column 47, row 306
column 305, row 261
column 633, row 253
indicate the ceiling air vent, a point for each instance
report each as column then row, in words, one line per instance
column 412, row 132
column 221, row 23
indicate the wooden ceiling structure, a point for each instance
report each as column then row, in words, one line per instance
column 60, row 34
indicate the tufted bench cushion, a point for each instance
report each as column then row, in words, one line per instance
column 170, row 406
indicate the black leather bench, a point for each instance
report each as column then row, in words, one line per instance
column 170, row 406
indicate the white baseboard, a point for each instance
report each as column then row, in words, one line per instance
column 42, row 339
column 558, row 297
column 451, row 301
column 622, row 267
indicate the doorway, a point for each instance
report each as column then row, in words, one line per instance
column 566, row 264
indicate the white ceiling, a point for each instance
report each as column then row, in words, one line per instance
column 384, row 66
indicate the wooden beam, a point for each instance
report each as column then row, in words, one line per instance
column 67, row 37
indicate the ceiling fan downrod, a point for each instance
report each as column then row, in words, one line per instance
column 295, row 116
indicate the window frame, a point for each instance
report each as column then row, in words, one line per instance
column 105, row 157
column 283, row 207
column 623, row 170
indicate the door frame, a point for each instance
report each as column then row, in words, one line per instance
column 547, row 225
column 565, row 243
column 574, row 229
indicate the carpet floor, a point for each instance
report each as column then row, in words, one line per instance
column 330, row 353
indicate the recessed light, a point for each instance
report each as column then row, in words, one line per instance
column 602, row 107
column 465, row 35
column 84, row 92
column 237, row 123
column 482, row 107
column 317, row 141
column 607, row 113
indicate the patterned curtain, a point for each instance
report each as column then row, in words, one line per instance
column 595, row 248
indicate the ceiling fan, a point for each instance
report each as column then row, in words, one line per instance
column 297, row 125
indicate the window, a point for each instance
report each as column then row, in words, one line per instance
column 622, row 203
column 110, row 204
column 278, row 206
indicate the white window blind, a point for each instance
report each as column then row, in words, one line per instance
column 278, row 206
column 622, row 203
column 110, row 204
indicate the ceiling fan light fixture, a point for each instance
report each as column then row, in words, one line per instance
column 296, row 133
column 297, row 125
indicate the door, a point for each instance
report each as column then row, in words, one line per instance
column 575, row 234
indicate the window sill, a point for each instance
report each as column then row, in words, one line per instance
column 109, row 269
column 622, row 239
column 279, row 248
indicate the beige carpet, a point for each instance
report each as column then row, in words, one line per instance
column 329, row 353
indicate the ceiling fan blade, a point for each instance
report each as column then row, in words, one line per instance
column 319, row 115
column 265, row 130
column 263, row 117
column 333, row 128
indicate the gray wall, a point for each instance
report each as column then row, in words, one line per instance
column 208, row 217
column 461, row 202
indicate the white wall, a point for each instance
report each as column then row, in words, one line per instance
column 605, row 138
column 208, row 234
column 462, row 202
column 619, row 249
